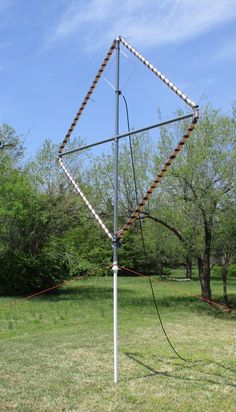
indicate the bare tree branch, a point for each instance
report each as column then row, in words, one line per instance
column 3, row 146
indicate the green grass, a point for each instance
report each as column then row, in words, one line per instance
column 57, row 349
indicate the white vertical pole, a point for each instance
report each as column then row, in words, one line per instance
column 115, row 276
column 115, row 244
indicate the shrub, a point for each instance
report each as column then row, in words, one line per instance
column 216, row 271
column 21, row 274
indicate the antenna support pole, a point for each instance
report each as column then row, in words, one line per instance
column 116, row 188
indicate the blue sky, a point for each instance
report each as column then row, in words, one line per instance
column 51, row 50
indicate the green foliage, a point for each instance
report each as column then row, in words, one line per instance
column 232, row 269
column 23, row 274
column 11, row 147
column 47, row 234
column 216, row 271
column 27, row 264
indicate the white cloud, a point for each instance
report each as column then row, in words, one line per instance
column 149, row 22
column 77, row 15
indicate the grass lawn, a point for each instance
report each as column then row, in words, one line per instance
column 57, row 349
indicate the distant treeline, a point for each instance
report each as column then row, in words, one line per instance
column 48, row 235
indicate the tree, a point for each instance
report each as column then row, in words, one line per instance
column 11, row 148
column 225, row 241
column 199, row 181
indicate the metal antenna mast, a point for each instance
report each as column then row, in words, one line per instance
column 116, row 189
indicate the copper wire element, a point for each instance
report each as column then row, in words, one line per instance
column 87, row 97
column 156, row 181
column 158, row 178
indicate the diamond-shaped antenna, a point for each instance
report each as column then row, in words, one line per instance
column 118, row 235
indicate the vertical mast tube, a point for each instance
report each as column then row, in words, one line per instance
column 116, row 188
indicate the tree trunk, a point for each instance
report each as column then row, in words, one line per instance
column 161, row 270
column 204, row 267
column 224, row 272
column 204, row 271
column 188, row 266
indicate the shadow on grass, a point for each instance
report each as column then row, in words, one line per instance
column 126, row 296
column 78, row 293
column 130, row 298
column 183, row 366
column 193, row 363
